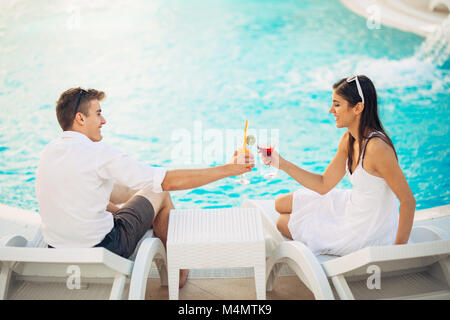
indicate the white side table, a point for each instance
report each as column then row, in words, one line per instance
column 216, row 238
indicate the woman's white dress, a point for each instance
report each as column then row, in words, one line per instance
column 343, row 221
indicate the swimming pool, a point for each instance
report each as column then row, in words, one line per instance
column 192, row 66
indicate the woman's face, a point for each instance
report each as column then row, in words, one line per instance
column 345, row 115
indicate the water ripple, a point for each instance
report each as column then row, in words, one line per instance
column 164, row 66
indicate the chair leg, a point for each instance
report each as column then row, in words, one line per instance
column 272, row 276
column 174, row 282
column 270, row 281
column 5, row 277
column 445, row 267
column 118, row 286
column 271, row 272
column 162, row 271
column 260, row 281
column 342, row 288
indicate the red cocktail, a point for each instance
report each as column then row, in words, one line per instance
column 266, row 150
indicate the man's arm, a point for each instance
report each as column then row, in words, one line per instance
column 181, row 179
column 114, row 164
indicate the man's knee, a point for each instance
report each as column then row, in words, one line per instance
column 157, row 199
column 161, row 222
column 168, row 200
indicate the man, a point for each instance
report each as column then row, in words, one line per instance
column 80, row 183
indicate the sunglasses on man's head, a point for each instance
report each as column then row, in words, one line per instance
column 82, row 92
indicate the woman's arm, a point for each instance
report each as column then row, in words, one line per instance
column 387, row 166
column 321, row 184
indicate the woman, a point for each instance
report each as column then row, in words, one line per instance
column 335, row 221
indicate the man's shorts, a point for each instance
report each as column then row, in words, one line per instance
column 131, row 222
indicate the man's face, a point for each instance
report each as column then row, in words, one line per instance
column 94, row 122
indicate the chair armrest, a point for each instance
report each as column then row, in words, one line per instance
column 426, row 233
column 149, row 250
column 13, row 241
column 305, row 264
column 67, row 256
column 392, row 257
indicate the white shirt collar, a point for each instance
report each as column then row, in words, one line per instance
column 74, row 134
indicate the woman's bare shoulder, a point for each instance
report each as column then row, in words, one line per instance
column 377, row 147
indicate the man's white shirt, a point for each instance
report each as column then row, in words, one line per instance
column 74, row 181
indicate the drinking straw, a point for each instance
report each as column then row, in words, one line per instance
column 245, row 136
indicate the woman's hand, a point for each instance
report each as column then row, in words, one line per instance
column 272, row 160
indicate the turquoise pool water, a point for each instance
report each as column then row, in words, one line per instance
column 170, row 67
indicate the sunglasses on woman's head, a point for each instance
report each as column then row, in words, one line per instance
column 358, row 85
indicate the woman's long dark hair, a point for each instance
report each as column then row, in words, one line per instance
column 369, row 121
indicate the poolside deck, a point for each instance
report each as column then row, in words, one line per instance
column 220, row 284
column 286, row 288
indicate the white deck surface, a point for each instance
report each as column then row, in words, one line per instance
column 237, row 283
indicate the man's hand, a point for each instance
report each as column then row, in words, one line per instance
column 241, row 163
column 111, row 207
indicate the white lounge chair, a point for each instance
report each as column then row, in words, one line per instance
column 31, row 261
column 434, row 4
column 420, row 269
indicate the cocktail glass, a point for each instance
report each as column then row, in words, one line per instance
column 248, row 141
column 242, row 178
column 266, row 147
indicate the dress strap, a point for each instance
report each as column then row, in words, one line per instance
column 371, row 135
